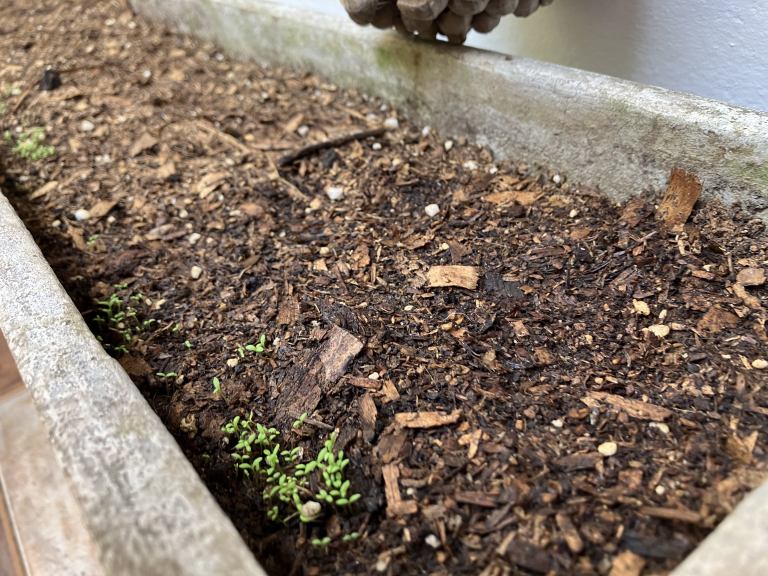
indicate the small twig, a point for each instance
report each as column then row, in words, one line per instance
column 331, row 143
column 622, row 252
column 23, row 97
column 316, row 423
column 293, row 190
column 223, row 136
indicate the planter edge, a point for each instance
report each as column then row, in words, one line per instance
column 145, row 507
column 619, row 136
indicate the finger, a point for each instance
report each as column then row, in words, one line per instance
column 361, row 11
column 501, row 7
column 467, row 7
column 454, row 26
column 484, row 22
column 421, row 9
column 526, row 7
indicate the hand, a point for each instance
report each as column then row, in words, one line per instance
column 427, row 18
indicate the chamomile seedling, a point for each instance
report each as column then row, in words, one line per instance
column 118, row 318
column 321, row 542
column 295, row 487
column 257, row 348
column 30, row 144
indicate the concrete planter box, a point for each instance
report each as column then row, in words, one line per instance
column 145, row 508
column 143, row 504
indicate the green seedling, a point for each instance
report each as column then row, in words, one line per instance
column 321, row 542
column 216, row 385
column 298, row 423
column 91, row 241
column 117, row 322
column 253, row 348
column 30, row 145
column 166, row 375
column 293, row 487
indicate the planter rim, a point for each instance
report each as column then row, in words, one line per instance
column 619, row 136
column 145, row 507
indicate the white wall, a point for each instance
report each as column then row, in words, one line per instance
column 713, row 48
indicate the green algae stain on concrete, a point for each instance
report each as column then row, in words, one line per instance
column 386, row 60
column 397, row 56
column 758, row 173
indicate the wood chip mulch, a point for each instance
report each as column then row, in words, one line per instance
column 526, row 377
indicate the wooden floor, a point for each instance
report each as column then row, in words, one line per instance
column 10, row 557
column 10, row 381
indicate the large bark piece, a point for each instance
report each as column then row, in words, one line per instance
column 304, row 385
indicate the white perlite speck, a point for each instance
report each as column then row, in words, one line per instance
column 660, row 426
column 195, row 272
column 334, row 193
column 311, row 509
column 432, row 210
column 87, row 126
column 81, row 214
column 608, row 448
column 194, row 238
column 391, row 123
column 432, row 541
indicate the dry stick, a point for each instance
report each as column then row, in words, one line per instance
column 318, row 424
column 293, row 190
column 23, row 97
column 206, row 126
column 247, row 149
column 332, row 143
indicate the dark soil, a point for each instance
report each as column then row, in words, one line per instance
column 583, row 328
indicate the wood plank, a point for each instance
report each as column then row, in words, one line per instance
column 10, row 381
column 10, row 556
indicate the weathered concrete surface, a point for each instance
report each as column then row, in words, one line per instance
column 739, row 546
column 622, row 137
column 145, row 507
